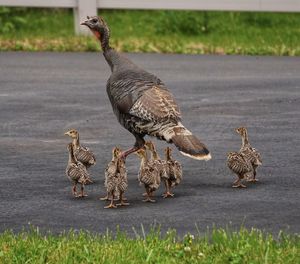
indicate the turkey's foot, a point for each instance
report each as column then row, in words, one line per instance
column 167, row 194
column 239, row 185
column 149, row 200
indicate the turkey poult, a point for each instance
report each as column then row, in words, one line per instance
column 116, row 179
column 142, row 102
column 237, row 163
column 111, row 171
column 148, row 174
column 174, row 172
column 160, row 164
column 82, row 154
column 250, row 154
column 76, row 172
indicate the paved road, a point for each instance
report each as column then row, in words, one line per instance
column 44, row 94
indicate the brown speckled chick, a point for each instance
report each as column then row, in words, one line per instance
column 76, row 172
column 148, row 175
column 82, row 154
column 174, row 172
column 161, row 165
column 237, row 163
column 249, row 153
column 116, row 179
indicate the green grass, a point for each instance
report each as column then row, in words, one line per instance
column 156, row 31
column 220, row 246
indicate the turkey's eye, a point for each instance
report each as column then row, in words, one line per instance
column 94, row 20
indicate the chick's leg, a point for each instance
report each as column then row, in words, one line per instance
column 167, row 192
column 238, row 184
column 82, row 194
column 74, row 191
column 111, row 205
column 122, row 203
column 148, row 197
column 254, row 176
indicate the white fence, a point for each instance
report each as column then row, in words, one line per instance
column 82, row 8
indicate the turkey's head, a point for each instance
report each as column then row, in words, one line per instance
column 72, row 133
column 241, row 130
column 98, row 26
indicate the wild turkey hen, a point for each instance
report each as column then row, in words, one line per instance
column 141, row 101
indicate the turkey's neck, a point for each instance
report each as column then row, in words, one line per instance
column 76, row 142
column 114, row 59
column 71, row 157
column 144, row 161
column 155, row 156
column 245, row 140
column 168, row 156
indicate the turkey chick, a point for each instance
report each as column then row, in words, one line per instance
column 237, row 163
column 250, row 153
column 161, row 165
column 148, row 174
column 174, row 172
column 82, row 154
column 76, row 172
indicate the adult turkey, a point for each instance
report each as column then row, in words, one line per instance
column 142, row 102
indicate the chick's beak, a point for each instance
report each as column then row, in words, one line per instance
column 66, row 134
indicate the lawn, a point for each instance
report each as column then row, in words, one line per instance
column 155, row 31
column 220, row 246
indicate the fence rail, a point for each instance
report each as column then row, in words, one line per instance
column 82, row 8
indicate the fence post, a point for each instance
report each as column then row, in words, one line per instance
column 84, row 8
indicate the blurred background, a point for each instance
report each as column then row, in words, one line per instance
column 165, row 31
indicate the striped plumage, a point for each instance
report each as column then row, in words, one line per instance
column 82, row 154
column 161, row 164
column 76, row 172
column 115, row 179
column 142, row 102
column 148, row 175
column 174, row 172
column 237, row 163
column 250, row 153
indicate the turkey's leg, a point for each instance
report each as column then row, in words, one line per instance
column 82, row 194
column 238, row 184
column 148, row 198
column 167, row 192
column 74, row 192
column 111, row 205
column 139, row 143
column 122, row 203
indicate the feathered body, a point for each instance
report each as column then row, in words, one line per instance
column 239, row 165
column 85, row 156
column 116, row 182
column 81, row 153
column 174, row 170
column 148, row 175
column 249, row 153
column 160, row 164
column 76, row 172
column 142, row 102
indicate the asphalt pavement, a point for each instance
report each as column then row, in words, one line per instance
column 44, row 94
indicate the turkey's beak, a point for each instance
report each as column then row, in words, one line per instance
column 86, row 23
column 66, row 134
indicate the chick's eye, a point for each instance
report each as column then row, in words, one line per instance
column 94, row 20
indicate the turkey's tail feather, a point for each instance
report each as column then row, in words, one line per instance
column 188, row 144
